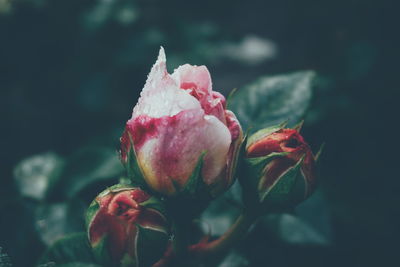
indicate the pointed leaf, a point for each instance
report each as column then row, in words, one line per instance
column 272, row 99
column 72, row 248
column 84, row 168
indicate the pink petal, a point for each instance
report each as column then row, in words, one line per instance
column 171, row 149
column 161, row 95
column 167, row 102
column 196, row 77
column 197, row 81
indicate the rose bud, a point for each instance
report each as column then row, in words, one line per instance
column 181, row 137
column 280, row 168
column 127, row 227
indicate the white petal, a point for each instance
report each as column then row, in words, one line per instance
column 168, row 102
column 161, row 95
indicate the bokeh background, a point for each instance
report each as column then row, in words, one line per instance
column 71, row 72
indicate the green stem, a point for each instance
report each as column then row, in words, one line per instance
column 236, row 233
column 181, row 237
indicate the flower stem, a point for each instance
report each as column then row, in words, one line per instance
column 236, row 233
column 181, row 239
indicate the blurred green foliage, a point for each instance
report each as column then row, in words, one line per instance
column 71, row 72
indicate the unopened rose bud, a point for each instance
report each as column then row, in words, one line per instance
column 181, row 136
column 279, row 168
column 127, row 227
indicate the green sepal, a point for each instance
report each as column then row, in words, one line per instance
column 91, row 212
column 101, row 251
column 287, row 190
column 259, row 163
column 128, row 261
column 318, row 155
column 191, row 198
column 254, row 169
column 154, row 203
column 132, row 166
column 230, row 95
column 150, row 246
column 265, row 132
column 195, row 181
column 298, row 126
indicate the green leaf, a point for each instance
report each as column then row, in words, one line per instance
column 221, row 213
column 234, row 259
column 79, row 264
column 36, row 174
column 51, row 222
column 291, row 229
column 4, row 259
column 87, row 166
column 72, row 248
column 273, row 99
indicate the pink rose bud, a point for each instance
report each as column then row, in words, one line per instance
column 178, row 120
column 280, row 168
column 127, row 227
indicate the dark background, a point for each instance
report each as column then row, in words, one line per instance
column 71, row 72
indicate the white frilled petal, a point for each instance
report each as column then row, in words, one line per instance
column 161, row 95
column 168, row 102
column 197, row 81
column 197, row 75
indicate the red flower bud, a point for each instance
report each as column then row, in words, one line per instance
column 281, row 165
column 126, row 227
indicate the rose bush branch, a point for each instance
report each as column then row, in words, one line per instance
column 229, row 239
column 180, row 150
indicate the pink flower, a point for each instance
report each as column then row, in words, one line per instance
column 177, row 118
